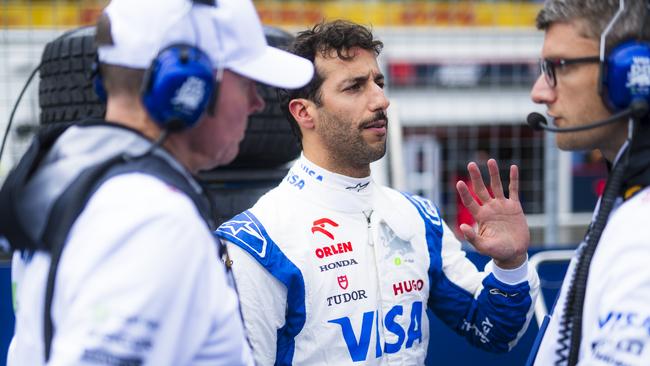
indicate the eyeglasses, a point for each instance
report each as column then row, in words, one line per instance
column 548, row 66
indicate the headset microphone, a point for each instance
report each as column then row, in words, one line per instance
column 637, row 109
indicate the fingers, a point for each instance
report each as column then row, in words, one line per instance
column 513, row 187
column 467, row 198
column 495, row 179
column 477, row 182
column 469, row 234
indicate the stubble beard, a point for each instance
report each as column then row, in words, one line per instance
column 344, row 140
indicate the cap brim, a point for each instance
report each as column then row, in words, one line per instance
column 277, row 68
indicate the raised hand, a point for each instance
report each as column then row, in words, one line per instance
column 502, row 228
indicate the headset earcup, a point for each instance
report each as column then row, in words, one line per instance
column 178, row 86
column 98, row 82
column 98, row 86
column 626, row 75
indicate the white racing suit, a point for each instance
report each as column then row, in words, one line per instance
column 337, row 270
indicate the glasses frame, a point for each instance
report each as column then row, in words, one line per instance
column 549, row 65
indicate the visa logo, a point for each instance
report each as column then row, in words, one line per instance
column 358, row 345
column 295, row 180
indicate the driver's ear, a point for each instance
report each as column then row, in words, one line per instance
column 303, row 111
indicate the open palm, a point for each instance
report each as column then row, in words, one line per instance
column 502, row 231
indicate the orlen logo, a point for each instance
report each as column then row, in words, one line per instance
column 319, row 227
column 407, row 286
column 333, row 250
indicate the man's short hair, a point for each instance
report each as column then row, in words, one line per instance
column 116, row 79
column 325, row 38
column 594, row 15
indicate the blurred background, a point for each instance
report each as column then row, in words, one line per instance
column 458, row 75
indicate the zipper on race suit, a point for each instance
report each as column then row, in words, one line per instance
column 368, row 215
column 378, row 332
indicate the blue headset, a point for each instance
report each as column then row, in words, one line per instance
column 625, row 71
column 626, row 75
column 178, row 86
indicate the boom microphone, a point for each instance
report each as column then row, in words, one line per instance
column 637, row 109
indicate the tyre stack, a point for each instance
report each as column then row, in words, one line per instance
column 66, row 95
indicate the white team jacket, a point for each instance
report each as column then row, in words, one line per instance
column 139, row 281
column 616, row 318
column 339, row 271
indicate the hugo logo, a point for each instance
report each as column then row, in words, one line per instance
column 407, row 286
column 319, row 226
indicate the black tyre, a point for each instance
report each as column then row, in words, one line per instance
column 66, row 94
column 65, row 91
column 269, row 141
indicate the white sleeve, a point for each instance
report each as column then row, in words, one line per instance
column 139, row 281
column 263, row 303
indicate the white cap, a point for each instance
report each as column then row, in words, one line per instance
column 230, row 33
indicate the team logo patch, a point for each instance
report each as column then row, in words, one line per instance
column 359, row 187
column 407, row 286
column 190, row 94
column 427, row 210
column 638, row 79
column 346, row 297
column 333, row 250
column 343, row 281
column 245, row 231
column 394, row 244
column 319, row 227
column 338, row 264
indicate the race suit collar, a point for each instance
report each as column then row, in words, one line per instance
column 331, row 189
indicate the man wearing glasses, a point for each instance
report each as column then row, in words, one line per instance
column 595, row 84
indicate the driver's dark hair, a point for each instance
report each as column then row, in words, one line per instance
column 325, row 38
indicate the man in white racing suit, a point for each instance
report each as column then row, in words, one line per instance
column 596, row 68
column 334, row 269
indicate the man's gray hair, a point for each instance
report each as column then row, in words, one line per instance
column 594, row 15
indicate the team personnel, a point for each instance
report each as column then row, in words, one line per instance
column 136, row 278
column 596, row 67
column 333, row 269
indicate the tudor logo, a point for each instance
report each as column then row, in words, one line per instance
column 346, row 297
column 319, row 226
column 343, row 281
